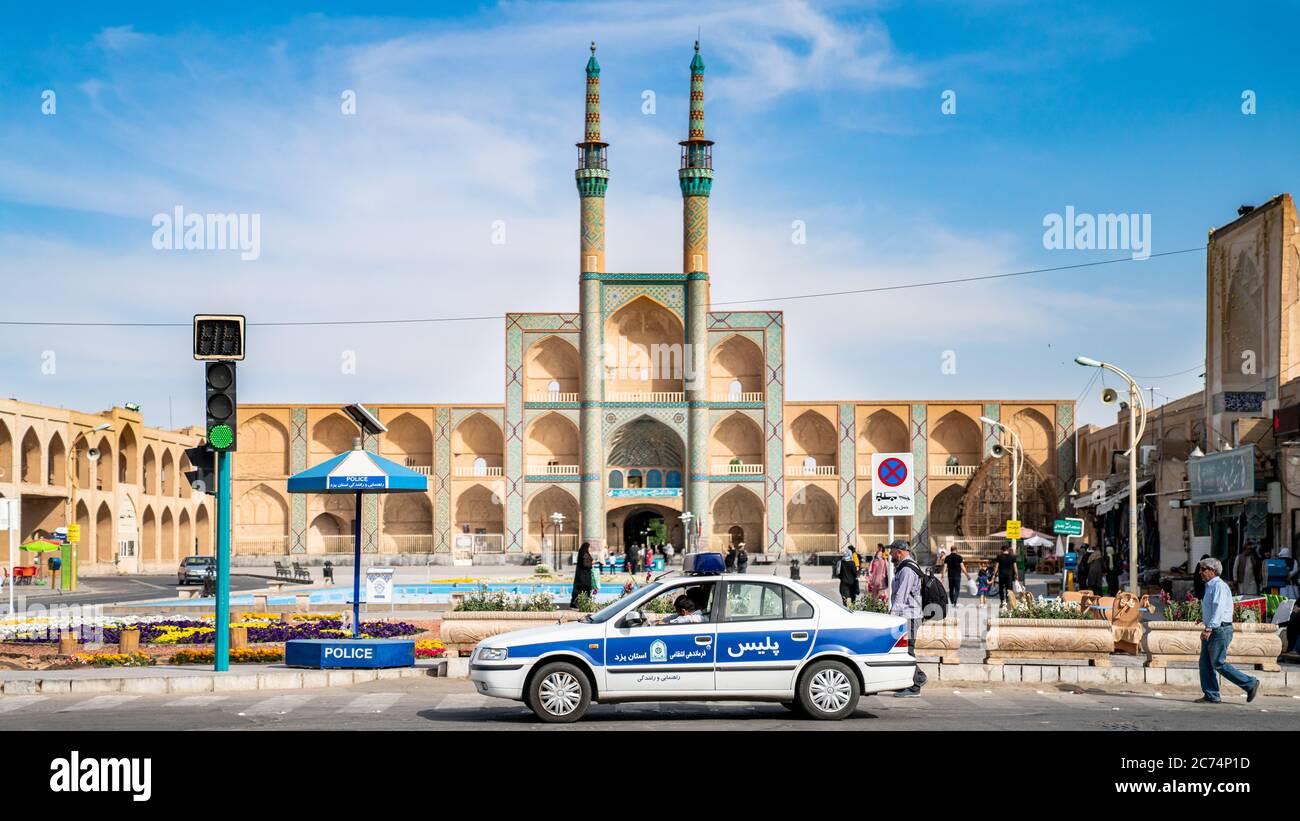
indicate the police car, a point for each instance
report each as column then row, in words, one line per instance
column 734, row 637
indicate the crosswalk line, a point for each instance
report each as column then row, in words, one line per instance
column 468, row 701
column 9, row 704
column 99, row 703
column 277, row 705
column 371, row 703
column 196, row 701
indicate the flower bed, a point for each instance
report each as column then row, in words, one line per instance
column 201, row 631
column 430, row 649
column 243, row 655
column 78, row 660
column 462, row 629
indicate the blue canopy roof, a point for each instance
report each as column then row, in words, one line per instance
column 358, row 471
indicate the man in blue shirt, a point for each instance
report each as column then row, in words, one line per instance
column 1216, row 615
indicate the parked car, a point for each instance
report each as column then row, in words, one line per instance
column 756, row 639
column 194, row 569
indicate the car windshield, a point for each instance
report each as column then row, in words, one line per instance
column 607, row 612
column 198, row 560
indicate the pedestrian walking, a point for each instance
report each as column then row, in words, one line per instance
column 848, row 576
column 905, row 602
column 982, row 584
column 1247, row 571
column 668, row 554
column 1081, row 575
column 629, row 558
column 1095, row 572
column 1216, row 616
column 878, row 574
column 742, row 559
column 956, row 566
column 328, row 570
column 730, row 560
column 1112, row 571
column 583, row 581
column 1008, row 572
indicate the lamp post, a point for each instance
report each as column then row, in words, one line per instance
column 71, row 583
column 687, row 517
column 1136, row 428
column 1017, row 462
column 557, row 519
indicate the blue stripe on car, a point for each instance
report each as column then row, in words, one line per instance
column 856, row 641
column 595, row 656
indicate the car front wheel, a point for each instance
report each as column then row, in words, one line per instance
column 559, row 693
column 829, row 691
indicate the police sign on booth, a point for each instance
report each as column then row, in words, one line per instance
column 892, row 485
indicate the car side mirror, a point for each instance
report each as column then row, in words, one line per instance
column 634, row 619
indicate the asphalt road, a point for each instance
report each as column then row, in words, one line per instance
column 450, row 704
column 112, row 589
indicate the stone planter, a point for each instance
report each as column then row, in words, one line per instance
column 1252, row 644
column 462, row 629
column 1083, row 639
column 940, row 638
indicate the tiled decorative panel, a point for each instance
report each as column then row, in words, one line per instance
column 440, row 481
column 370, row 501
column 848, row 501
column 297, row 464
column 613, row 297
column 921, row 470
column 1065, row 451
column 992, row 435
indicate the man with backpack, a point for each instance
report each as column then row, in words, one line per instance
column 906, row 602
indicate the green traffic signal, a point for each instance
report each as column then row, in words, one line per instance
column 220, row 437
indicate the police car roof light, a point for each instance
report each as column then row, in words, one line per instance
column 703, row 564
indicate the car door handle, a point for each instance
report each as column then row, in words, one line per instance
column 704, row 639
column 801, row 636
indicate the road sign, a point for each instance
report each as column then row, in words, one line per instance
column 1013, row 528
column 892, row 485
column 74, row 534
column 1068, row 527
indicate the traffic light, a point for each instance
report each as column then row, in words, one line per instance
column 220, row 391
column 219, row 337
column 202, row 474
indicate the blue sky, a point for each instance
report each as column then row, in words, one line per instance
column 825, row 113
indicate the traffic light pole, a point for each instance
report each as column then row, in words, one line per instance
column 221, row 656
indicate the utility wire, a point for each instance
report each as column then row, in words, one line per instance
column 430, row 320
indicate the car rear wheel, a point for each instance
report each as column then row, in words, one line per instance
column 829, row 691
column 559, row 693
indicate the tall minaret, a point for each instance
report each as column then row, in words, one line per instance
column 696, row 179
column 592, row 177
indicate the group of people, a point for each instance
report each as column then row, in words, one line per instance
column 878, row 574
column 737, row 558
column 1096, row 565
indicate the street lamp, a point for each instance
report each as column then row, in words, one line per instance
column 1017, row 462
column 687, row 518
column 72, row 498
column 557, row 519
column 1135, row 430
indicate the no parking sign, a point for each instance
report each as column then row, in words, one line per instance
column 892, row 485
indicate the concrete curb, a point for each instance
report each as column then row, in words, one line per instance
column 191, row 682
column 1286, row 682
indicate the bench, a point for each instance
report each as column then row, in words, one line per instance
column 300, row 573
column 281, row 570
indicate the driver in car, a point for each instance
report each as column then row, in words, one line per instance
column 687, row 612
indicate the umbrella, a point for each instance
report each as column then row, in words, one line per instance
column 1025, row 533
column 1039, row 540
column 41, row 546
column 358, row 471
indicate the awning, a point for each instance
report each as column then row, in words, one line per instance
column 358, row 471
column 1113, row 500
